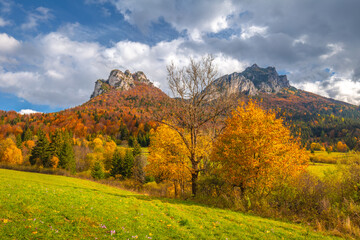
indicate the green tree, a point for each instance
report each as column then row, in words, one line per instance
column 124, row 132
column 137, row 148
column 131, row 141
column 67, row 157
column 122, row 165
column 40, row 152
column 97, row 170
column 126, row 171
column 57, row 141
column 139, row 168
column 18, row 141
column 27, row 135
column 116, row 164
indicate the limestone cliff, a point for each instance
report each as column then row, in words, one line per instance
column 119, row 80
column 252, row 81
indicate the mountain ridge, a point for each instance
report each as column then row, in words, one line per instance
column 128, row 101
column 251, row 81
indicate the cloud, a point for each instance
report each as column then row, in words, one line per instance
column 3, row 22
column 5, row 6
column 41, row 14
column 196, row 17
column 300, row 37
column 248, row 32
column 64, row 71
column 8, row 44
column 342, row 89
column 27, row 111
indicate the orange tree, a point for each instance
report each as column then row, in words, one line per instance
column 255, row 151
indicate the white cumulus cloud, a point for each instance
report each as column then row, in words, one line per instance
column 27, row 111
column 8, row 43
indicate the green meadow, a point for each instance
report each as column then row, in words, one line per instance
column 39, row 206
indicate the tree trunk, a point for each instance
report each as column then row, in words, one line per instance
column 194, row 177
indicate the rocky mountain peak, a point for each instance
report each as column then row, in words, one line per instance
column 252, row 81
column 119, row 80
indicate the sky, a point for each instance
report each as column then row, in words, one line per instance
column 52, row 52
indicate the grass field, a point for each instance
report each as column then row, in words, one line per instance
column 39, row 206
column 333, row 157
column 320, row 169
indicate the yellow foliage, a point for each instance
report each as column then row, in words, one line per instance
column 108, row 153
column 317, row 147
column 97, row 145
column 29, row 144
column 341, row 147
column 9, row 153
column 94, row 157
column 168, row 160
column 256, row 150
column 54, row 162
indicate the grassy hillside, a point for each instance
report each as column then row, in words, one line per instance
column 38, row 206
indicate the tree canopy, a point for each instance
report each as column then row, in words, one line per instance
column 256, row 149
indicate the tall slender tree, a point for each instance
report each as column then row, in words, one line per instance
column 196, row 108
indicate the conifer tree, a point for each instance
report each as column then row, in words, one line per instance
column 139, row 168
column 56, row 144
column 27, row 135
column 67, row 156
column 124, row 132
column 97, row 171
column 18, row 141
column 136, row 149
column 126, row 171
column 40, row 150
column 116, row 163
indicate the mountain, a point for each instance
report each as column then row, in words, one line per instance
column 318, row 118
column 252, row 81
column 119, row 80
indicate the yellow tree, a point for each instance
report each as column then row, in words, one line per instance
column 256, row 151
column 167, row 160
column 109, row 149
column 341, row 147
column 168, row 157
column 196, row 108
column 9, row 153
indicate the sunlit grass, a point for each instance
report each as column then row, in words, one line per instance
column 39, row 206
column 334, row 157
column 320, row 169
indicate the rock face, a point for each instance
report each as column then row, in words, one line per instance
column 119, row 80
column 252, row 81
